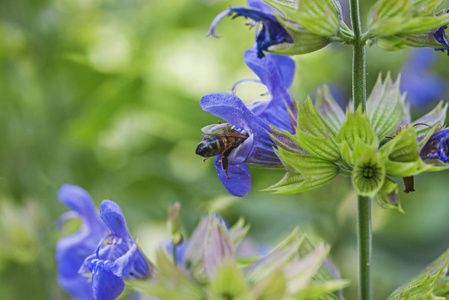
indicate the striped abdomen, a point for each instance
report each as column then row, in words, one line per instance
column 216, row 145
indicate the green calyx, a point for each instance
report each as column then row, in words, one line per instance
column 369, row 174
column 312, row 24
column 370, row 147
column 401, row 23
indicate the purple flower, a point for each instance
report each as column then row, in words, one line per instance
column 73, row 249
column 276, row 72
column 437, row 147
column 271, row 33
column 117, row 260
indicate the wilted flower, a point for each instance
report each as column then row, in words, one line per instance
column 254, row 120
column 73, row 249
column 442, row 38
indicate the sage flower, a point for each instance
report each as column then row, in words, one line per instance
column 73, row 249
column 255, row 119
column 116, row 260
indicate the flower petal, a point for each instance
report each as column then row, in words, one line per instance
column 113, row 218
column 239, row 182
column 79, row 200
column 73, row 249
column 230, row 108
column 132, row 265
column 276, row 72
column 272, row 32
column 105, row 285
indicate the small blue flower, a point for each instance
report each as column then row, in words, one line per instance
column 437, row 147
column 276, row 72
column 120, row 259
column 73, row 249
column 271, row 33
column 422, row 86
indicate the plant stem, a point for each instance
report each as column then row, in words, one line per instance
column 364, row 239
column 358, row 59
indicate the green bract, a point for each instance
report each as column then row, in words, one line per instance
column 431, row 283
column 312, row 24
column 372, row 147
column 400, row 23
column 212, row 269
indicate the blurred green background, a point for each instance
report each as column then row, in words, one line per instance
column 105, row 95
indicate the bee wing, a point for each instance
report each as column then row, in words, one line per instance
column 214, row 129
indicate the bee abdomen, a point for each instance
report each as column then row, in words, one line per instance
column 212, row 146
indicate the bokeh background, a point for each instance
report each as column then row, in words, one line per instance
column 105, row 94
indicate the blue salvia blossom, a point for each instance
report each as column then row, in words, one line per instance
column 276, row 72
column 422, row 86
column 271, row 33
column 73, row 249
column 85, row 251
column 116, row 260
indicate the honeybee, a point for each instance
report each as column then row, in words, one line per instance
column 220, row 139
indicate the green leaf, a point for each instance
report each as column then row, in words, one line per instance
column 329, row 110
column 387, row 196
column 277, row 259
column 385, row 106
column 305, row 172
column 310, row 121
column 357, row 126
column 321, row 147
column 424, row 7
column 435, row 117
column 403, row 147
column 393, row 42
column 407, row 169
column 356, row 136
column 303, row 40
column 386, row 16
column 228, row 282
column 422, row 285
column 421, row 24
column 368, row 175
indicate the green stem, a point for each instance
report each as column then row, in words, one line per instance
column 364, row 239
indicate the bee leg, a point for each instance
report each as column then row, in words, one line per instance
column 224, row 165
column 224, row 160
column 204, row 159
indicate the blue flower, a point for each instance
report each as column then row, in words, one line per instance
column 276, row 72
column 437, row 147
column 117, row 260
column 271, row 33
column 441, row 37
column 421, row 85
column 73, row 249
